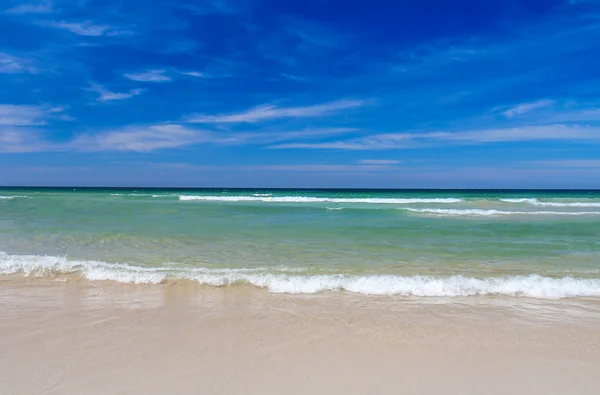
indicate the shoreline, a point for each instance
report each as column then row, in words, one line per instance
column 82, row 337
column 297, row 280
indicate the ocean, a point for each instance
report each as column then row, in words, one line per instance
column 413, row 243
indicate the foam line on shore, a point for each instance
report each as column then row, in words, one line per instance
column 291, row 280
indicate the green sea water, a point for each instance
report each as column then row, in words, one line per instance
column 413, row 242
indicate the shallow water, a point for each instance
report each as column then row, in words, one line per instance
column 542, row 244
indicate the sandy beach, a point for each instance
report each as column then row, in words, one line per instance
column 69, row 336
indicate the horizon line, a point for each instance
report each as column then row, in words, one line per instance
column 297, row 188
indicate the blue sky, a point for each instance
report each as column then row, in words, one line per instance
column 314, row 93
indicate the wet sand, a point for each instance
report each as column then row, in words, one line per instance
column 78, row 337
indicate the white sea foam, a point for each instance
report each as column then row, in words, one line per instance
column 281, row 280
column 519, row 200
column 132, row 194
column 536, row 202
column 12, row 197
column 262, row 194
column 335, row 208
column 310, row 199
column 489, row 213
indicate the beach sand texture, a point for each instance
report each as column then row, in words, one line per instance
column 69, row 336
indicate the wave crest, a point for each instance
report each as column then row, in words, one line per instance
column 490, row 213
column 290, row 280
column 536, row 202
column 310, row 199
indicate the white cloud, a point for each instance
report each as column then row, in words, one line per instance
column 21, row 115
column 149, row 76
column 268, row 112
column 10, row 64
column 23, row 139
column 337, row 168
column 41, row 7
column 193, row 74
column 265, row 137
column 582, row 114
column 85, row 28
column 143, row 138
column 379, row 162
column 342, row 145
column 526, row 107
column 524, row 133
column 140, row 138
column 29, row 115
column 557, row 132
column 106, row 95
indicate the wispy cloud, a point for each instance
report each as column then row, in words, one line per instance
column 269, row 137
column 85, row 28
column 558, row 132
column 10, row 64
column 525, row 133
column 88, row 28
column 269, row 112
column 40, row 7
column 140, row 138
column 566, row 113
column 328, row 168
column 358, row 144
column 294, row 77
column 379, row 162
column 149, row 76
column 210, row 7
column 30, row 115
column 196, row 74
column 526, row 107
column 310, row 33
column 535, row 57
column 22, row 139
column 21, row 115
column 568, row 163
column 145, row 138
column 106, row 95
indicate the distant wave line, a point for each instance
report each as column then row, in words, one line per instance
column 536, row 202
column 482, row 212
column 310, row 199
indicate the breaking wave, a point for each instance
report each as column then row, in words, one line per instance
column 489, row 213
column 310, row 199
column 289, row 280
column 536, row 202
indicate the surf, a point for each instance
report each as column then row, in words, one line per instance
column 492, row 212
column 536, row 202
column 303, row 281
column 310, row 199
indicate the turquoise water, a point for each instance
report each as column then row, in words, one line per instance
column 451, row 242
